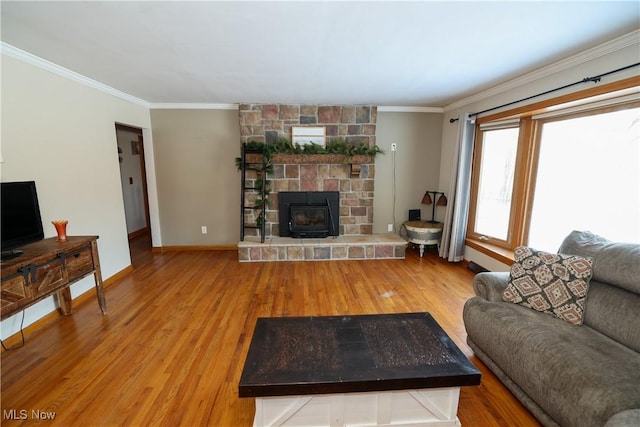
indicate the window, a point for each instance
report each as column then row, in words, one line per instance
column 497, row 162
column 564, row 164
column 588, row 178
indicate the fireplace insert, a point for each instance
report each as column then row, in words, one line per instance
column 309, row 214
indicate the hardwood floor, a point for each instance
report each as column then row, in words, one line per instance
column 172, row 347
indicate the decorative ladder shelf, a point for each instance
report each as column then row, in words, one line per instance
column 258, row 189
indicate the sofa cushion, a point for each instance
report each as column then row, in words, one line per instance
column 615, row 263
column 613, row 302
column 552, row 283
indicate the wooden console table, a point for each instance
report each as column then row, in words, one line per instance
column 49, row 267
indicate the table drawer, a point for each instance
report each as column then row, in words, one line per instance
column 79, row 263
column 47, row 278
column 15, row 293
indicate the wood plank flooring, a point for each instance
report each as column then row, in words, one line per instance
column 171, row 349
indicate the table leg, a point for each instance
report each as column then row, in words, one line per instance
column 421, row 250
column 97, row 275
column 64, row 300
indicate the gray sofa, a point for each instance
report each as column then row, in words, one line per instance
column 568, row 375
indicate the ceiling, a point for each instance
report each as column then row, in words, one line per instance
column 392, row 53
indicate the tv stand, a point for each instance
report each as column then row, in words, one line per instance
column 10, row 254
column 49, row 267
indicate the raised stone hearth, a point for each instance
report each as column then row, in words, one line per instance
column 372, row 246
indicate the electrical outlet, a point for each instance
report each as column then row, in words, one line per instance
column 389, row 227
column 204, row 229
column 394, row 147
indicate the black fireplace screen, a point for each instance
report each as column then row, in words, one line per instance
column 309, row 214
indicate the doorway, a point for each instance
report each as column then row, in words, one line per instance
column 134, row 187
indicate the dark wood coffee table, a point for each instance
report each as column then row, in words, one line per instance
column 388, row 369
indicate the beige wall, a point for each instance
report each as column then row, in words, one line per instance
column 417, row 166
column 616, row 58
column 198, row 182
column 62, row 135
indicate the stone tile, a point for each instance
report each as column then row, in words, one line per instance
column 358, row 211
column 322, row 252
column 354, row 130
column 255, row 253
column 308, row 120
column 270, row 111
column 280, row 185
column 352, row 229
column 308, row 172
column 309, row 185
column 269, row 254
column 368, row 129
column 308, row 110
column 369, row 185
column 324, row 171
column 250, row 117
column 308, row 253
column 291, row 171
column 366, row 229
column 330, row 185
column 342, row 129
column 384, row 251
column 374, row 114
column 348, row 114
column 357, row 184
column 277, row 173
column 243, row 254
column 370, row 251
column 399, row 251
column 294, row 185
column 329, row 114
column 331, row 130
column 356, row 252
column 363, row 114
column 338, row 252
column 295, row 253
column 289, row 112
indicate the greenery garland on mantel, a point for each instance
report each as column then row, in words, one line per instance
column 284, row 146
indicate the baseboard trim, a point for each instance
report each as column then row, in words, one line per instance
column 194, row 248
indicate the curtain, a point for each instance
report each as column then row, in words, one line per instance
column 455, row 222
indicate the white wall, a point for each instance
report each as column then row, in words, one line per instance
column 62, row 135
column 616, row 54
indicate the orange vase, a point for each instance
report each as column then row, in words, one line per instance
column 61, row 229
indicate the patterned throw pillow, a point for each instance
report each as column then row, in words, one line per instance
column 551, row 283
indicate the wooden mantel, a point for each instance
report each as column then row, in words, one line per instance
column 289, row 159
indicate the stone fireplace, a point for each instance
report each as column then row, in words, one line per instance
column 351, row 177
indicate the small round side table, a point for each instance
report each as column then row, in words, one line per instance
column 424, row 233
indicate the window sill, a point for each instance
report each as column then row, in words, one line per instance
column 496, row 252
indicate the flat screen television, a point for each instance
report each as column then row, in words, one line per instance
column 20, row 217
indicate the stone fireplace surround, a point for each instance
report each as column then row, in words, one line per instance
column 354, row 180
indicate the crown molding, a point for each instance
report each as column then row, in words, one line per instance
column 409, row 109
column 614, row 45
column 21, row 55
column 190, row 106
